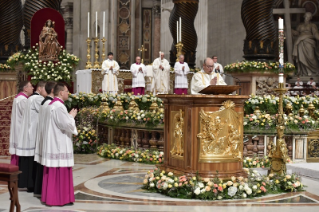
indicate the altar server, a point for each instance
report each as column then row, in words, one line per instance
column 110, row 70
column 18, row 108
column 161, row 73
column 206, row 77
column 138, row 70
column 181, row 70
column 218, row 68
column 57, row 152
column 39, row 138
column 26, row 142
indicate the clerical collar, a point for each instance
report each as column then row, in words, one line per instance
column 56, row 99
column 181, row 62
column 21, row 94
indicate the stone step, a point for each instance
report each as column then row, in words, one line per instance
column 305, row 169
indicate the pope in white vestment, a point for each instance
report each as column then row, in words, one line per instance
column 161, row 75
column 206, row 77
column 110, row 70
column 181, row 70
column 138, row 73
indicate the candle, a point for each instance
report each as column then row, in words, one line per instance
column 280, row 23
column 177, row 32
column 180, row 29
column 281, row 78
column 103, row 24
column 96, row 24
column 88, row 24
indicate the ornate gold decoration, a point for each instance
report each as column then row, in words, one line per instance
column 133, row 106
column 143, row 50
column 103, row 51
column 257, row 112
column 311, row 109
column 221, row 134
column 177, row 149
column 288, row 108
column 118, row 105
column 96, row 63
column 104, row 107
column 313, row 146
column 179, row 47
column 124, row 27
column 301, row 111
column 97, row 79
column 124, row 57
column 154, row 106
column 88, row 55
column 279, row 153
column 161, row 108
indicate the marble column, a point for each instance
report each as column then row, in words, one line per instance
column 68, row 19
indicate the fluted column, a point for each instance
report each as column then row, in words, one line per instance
column 261, row 35
column 187, row 10
column 10, row 26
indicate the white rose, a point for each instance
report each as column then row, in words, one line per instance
column 255, row 187
column 244, row 195
column 197, row 191
column 152, row 185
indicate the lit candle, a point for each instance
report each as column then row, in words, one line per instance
column 180, row 29
column 103, row 24
column 96, row 24
column 177, row 32
column 281, row 78
column 280, row 23
column 88, row 24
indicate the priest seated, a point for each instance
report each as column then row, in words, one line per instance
column 206, row 77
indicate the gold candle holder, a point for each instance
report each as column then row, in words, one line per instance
column 88, row 55
column 103, row 50
column 96, row 63
column 179, row 47
column 279, row 153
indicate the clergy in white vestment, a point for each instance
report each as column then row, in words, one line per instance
column 41, row 131
column 138, row 70
column 161, row 75
column 181, row 70
column 18, row 108
column 110, row 70
column 218, row 68
column 26, row 142
column 57, row 150
column 206, row 77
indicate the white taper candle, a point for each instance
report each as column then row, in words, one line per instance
column 280, row 23
column 103, row 24
column 177, row 32
column 96, row 24
column 88, row 24
column 180, row 29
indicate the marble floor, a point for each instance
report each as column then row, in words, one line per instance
column 112, row 185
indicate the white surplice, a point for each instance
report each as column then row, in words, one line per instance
column 138, row 79
column 109, row 83
column 201, row 80
column 18, row 108
column 42, row 130
column 180, row 75
column 221, row 69
column 57, row 150
column 26, row 142
column 161, row 77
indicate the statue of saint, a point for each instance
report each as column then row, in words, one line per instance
column 305, row 50
column 49, row 47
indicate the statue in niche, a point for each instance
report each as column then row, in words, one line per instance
column 49, row 47
column 305, row 51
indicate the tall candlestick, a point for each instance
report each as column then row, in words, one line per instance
column 177, row 32
column 88, row 24
column 103, row 24
column 180, row 29
column 96, row 24
column 281, row 78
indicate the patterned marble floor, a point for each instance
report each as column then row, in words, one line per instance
column 112, row 185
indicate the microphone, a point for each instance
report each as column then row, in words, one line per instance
column 232, row 77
